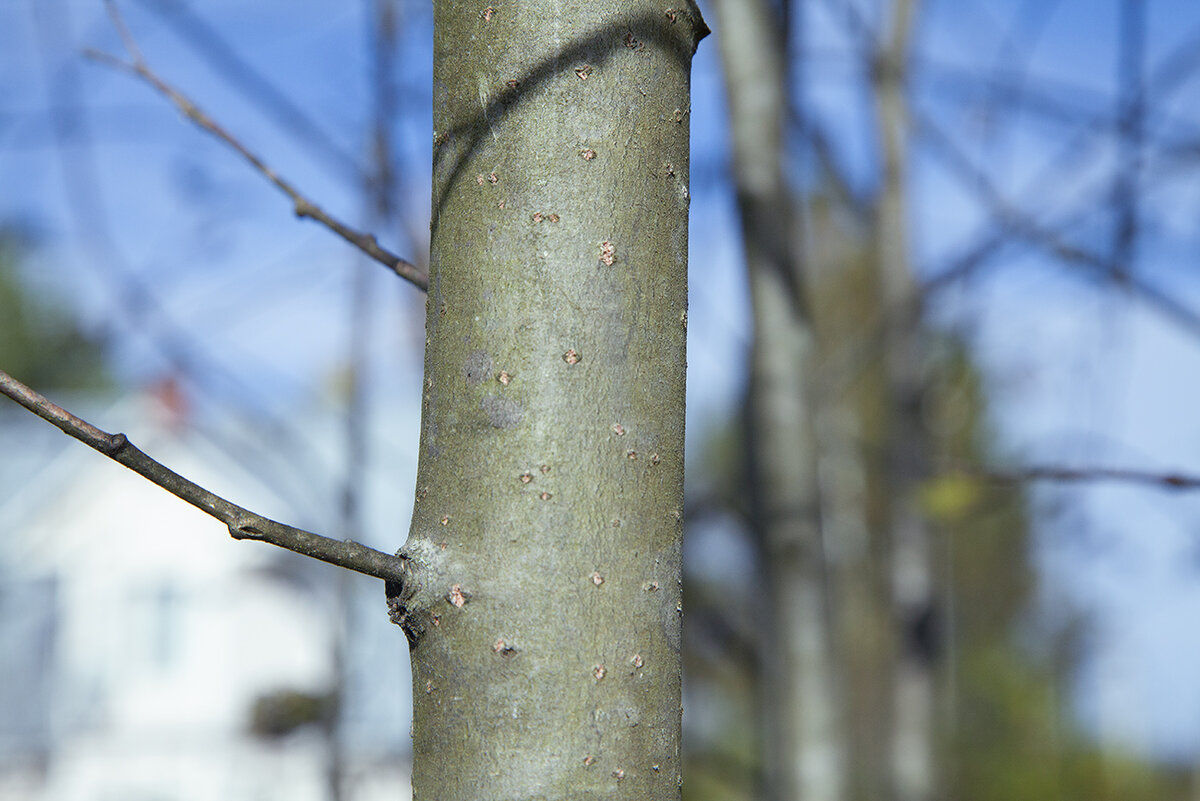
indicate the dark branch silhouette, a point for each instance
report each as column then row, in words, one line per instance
column 242, row 523
column 1081, row 475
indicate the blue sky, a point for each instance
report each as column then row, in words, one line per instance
column 1083, row 374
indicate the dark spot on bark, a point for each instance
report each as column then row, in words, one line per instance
column 477, row 368
column 400, row 614
column 922, row 634
column 673, row 627
column 501, row 412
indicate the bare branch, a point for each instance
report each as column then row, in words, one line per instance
column 1169, row 481
column 1013, row 222
column 127, row 40
column 242, row 523
column 302, row 206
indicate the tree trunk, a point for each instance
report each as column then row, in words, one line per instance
column 543, row 606
column 913, row 597
column 802, row 726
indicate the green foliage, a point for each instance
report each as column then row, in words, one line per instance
column 40, row 343
column 278, row 714
column 1008, row 736
column 1005, row 731
column 1010, row 744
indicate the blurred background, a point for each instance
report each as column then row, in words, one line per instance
column 944, row 326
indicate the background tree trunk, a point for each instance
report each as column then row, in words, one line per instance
column 913, row 593
column 544, row 607
column 802, row 737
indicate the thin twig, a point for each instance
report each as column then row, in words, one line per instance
column 139, row 307
column 242, row 523
column 1170, row 481
column 302, row 206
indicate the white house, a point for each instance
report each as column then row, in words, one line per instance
column 137, row 640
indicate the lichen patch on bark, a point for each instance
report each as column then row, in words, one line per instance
column 501, row 412
column 477, row 368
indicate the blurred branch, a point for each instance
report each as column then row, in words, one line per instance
column 242, row 523
column 1170, row 481
column 1131, row 114
column 290, row 116
column 1013, row 221
column 302, row 206
column 137, row 305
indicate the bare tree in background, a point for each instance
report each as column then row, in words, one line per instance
column 802, row 738
column 862, row 698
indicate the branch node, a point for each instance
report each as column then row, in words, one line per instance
column 244, row 529
column 115, row 444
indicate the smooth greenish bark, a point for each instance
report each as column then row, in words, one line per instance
column 543, row 606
